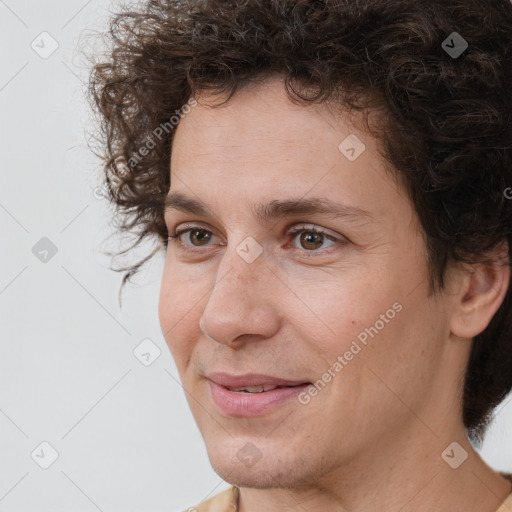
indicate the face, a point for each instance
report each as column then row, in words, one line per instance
column 335, row 304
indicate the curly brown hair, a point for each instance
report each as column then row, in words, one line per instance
column 447, row 132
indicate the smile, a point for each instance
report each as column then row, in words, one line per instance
column 251, row 395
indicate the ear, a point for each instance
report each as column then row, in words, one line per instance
column 484, row 286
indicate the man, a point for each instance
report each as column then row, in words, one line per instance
column 331, row 196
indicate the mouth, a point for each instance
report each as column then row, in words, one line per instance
column 252, row 380
column 252, row 395
column 259, row 389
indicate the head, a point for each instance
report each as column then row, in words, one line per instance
column 246, row 116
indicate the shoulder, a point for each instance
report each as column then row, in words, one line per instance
column 224, row 501
column 506, row 506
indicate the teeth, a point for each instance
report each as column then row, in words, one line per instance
column 253, row 389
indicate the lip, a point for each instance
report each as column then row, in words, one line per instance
column 249, row 379
column 233, row 403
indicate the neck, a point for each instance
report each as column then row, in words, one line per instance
column 407, row 474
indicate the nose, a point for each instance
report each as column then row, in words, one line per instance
column 242, row 304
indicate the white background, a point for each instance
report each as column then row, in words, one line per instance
column 124, row 435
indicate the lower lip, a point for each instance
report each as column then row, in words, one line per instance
column 232, row 403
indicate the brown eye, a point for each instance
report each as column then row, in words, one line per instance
column 311, row 240
column 201, row 235
column 197, row 237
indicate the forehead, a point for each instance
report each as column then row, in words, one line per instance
column 260, row 145
column 264, row 112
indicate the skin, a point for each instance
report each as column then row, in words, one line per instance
column 373, row 437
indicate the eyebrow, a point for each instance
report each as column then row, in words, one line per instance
column 273, row 210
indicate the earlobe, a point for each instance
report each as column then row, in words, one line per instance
column 484, row 288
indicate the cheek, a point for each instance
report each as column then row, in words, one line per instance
column 345, row 308
column 367, row 325
column 179, row 311
column 388, row 362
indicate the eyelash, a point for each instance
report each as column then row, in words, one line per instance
column 292, row 233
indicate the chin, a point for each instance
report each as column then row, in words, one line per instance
column 266, row 473
column 242, row 477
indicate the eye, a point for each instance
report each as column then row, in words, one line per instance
column 311, row 239
column 195, row 234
